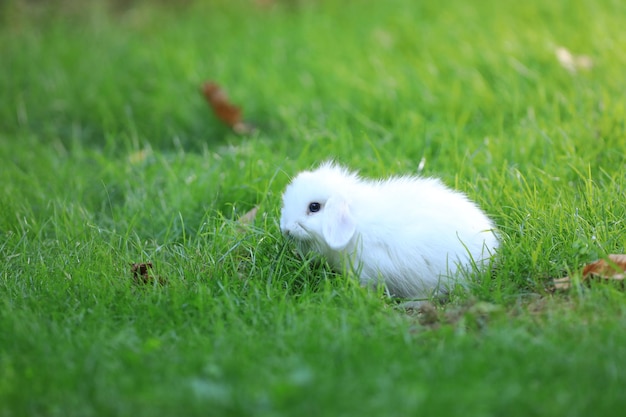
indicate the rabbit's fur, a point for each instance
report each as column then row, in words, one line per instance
column 410, row 233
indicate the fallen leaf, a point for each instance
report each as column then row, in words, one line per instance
column 139, row 157
column 249, row 217
column 224, row 110
column 561, row 284
column 612, row 269
column 218, row 100
column 141, row 274
column 572, row 62
column 428, row 315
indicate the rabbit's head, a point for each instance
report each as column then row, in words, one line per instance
column 316, row 207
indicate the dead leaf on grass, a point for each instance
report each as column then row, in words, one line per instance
column 572, row 62
column 561, row 284
column 139, row 156
column 224, row 110
column 248, row 218
column 428, row 314
column 612, row 269
column 141, row 275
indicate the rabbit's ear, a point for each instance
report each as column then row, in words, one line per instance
column 338, row 225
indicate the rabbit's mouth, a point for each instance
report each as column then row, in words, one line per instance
column 297, row 232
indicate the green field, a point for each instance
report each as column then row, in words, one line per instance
column 110, row 156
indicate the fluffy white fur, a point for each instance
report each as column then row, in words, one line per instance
column 412, row 234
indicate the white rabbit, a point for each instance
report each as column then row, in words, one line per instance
column 410, row 233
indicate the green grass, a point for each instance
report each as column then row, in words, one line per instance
column 110, row 156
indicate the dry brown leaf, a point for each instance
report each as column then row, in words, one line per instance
column 428, row 314
column 249, row 217
column 604, row 270
column 572, row 62
column 139, row 157
column 224, row 110
column 141, row 275
column 246, row 220
column 613, row 268
column 561, row 284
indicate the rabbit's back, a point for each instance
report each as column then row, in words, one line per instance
column 417, row 233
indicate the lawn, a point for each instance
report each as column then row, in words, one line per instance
column 112, row 157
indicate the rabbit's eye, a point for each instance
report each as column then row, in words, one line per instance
column 314, row 207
